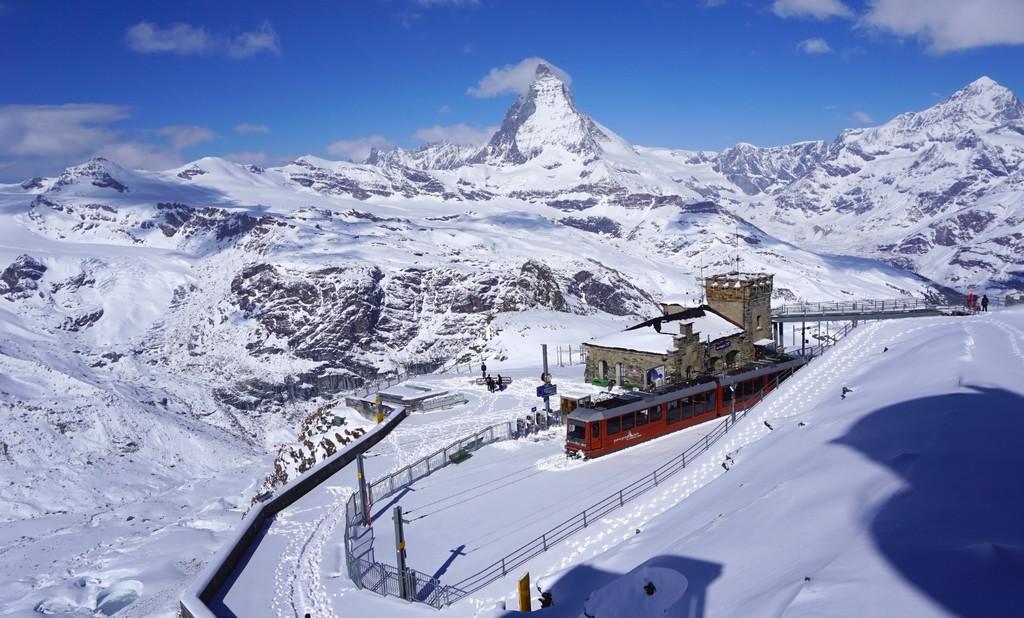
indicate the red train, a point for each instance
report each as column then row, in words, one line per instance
column 622, row 421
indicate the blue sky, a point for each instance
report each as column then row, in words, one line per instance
column 157, row 84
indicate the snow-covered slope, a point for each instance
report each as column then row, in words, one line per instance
column 872, row 505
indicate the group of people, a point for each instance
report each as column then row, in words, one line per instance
column 493, row 384
column 975, row 304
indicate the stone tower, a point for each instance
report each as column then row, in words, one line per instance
column 744, row 298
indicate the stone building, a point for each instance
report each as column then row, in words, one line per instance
column 685, row 342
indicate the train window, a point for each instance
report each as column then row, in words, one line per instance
column 627, row 421
column 642, row 417
column 687, row 406
column 672, row 416
column 613, row 425
column 655, row 412
column 709, row 405
column 727, row 392
column 595, row 429
column 576, row 432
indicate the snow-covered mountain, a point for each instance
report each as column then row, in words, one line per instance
column 939, row 192
column 165, row 324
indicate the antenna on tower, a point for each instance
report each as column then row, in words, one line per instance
column 736, row 243
column 700, row 280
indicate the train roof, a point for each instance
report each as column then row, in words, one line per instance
column 640, row 400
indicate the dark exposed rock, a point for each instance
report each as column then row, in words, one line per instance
column 82, row 322
column 192, row 172
column 597, row 225
column 22, row 276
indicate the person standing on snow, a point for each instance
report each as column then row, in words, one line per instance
column 984, row 303
column 970, row 302
column 483, row 369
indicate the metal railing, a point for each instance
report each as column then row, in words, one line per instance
column 569, row 355
column 831, row 339
column 888, row 305
column 857, row 306
column 382, row 578
column 425, row 466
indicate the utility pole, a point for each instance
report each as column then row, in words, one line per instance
column 732, row 387
column 405, row 591
column 547, row 400
column 803, row 337
column 364, row 499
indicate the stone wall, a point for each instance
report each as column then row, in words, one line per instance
column 690, row 358
column 743, row 298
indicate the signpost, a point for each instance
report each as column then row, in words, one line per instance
column 546, row 391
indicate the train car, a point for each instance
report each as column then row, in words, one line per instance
column 631, row 418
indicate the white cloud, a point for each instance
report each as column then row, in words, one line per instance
column 42, row 139
column 456, row 133
column 182, row 137
column 444, row 109
column 513, row 78
column 251, row 43
column 358, row 149
column 814, row 46
column 950, row 25
column 863, row 117
column 818, row 9
column 56, row 130
column 246, row 128
column 141, row 155
column 186, row 39
column 182, row 39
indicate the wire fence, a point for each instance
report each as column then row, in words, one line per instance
column 382, row 578
column 887, row 305
column 569, row 355
column 425, row 466
column 830, row 340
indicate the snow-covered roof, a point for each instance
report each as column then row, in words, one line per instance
column 645, row 340
column 707, row 324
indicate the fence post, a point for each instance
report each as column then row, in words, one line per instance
column 544, row 539
column 584, row 519
column 655, row 477
column 621, row 502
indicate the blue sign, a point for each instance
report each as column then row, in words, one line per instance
column 546, row 390
column 533, row 409
column 721, row 345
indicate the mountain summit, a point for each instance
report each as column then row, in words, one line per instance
column 543, row 120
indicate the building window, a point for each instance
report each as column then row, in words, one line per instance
column 759, row 322
column 602, row 369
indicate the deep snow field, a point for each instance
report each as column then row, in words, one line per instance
column 899, row 500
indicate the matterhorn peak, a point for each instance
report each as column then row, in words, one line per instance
column 543, row 119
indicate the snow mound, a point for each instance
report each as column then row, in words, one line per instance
column 644, row 591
